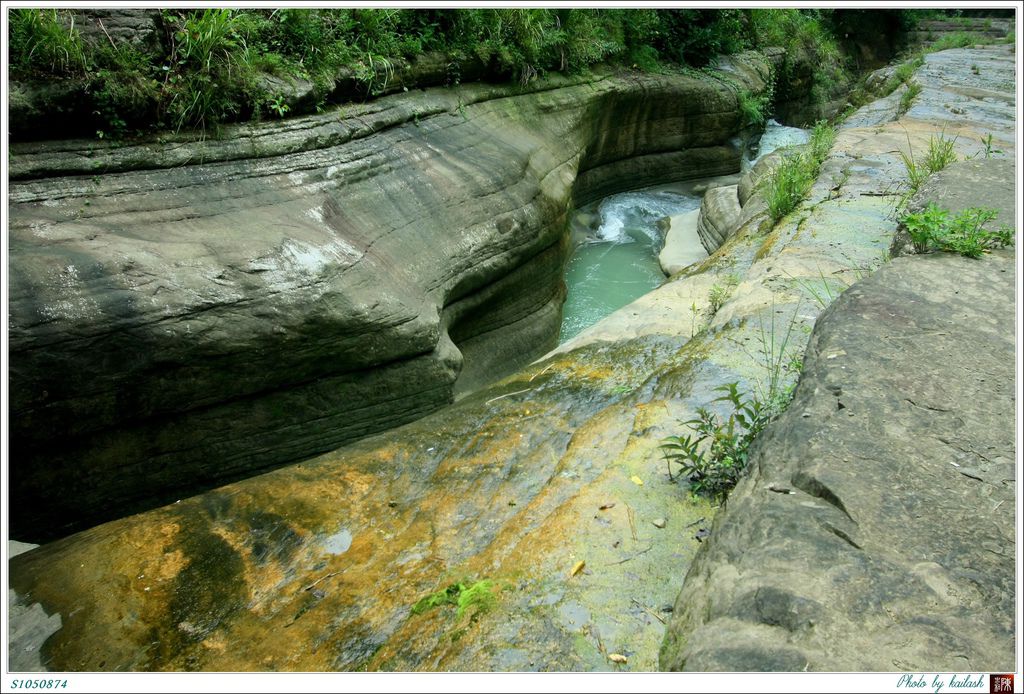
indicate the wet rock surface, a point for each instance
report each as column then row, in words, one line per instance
column 264, row 297
column 549, row 484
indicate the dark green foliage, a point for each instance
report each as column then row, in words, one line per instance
column 694, row 37
column 802, row 32
column 754, row 107
column 207, row 68
column 713, row 458
column 934, row 229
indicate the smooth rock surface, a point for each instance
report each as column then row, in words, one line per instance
column 506, row 485
column 873, row 532
column 682, row 244
column 718, row 217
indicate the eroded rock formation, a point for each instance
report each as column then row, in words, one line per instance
column 184, row 314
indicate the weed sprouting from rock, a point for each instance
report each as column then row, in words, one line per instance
column 933, row 228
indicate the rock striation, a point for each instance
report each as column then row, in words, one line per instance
column 718, row 217
column 187, row 313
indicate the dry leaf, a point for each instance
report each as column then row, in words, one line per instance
column 637, row 480
column 605, row 507
column 577, row 567
column 616, row 657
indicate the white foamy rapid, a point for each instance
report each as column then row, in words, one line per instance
column 638, row 213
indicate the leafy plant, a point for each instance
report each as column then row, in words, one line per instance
column 375, row 72
column 46, row 39
column 753, row 108
column 208, row 66
column 478, row 596
column 720, row 293
column 278, row 105
column 989, row 149
column 714, row 456
column 933, row 229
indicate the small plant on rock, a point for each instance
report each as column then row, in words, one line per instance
column 478, row 596
column 754, row 109
column 720, row 293
column 940, row 155
column 790, row 182
column 933, row 229
column 908, row 96
column 713, row 458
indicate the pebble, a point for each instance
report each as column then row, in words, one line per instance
column 659, row 522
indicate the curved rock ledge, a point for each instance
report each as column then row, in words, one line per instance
column 187, row 315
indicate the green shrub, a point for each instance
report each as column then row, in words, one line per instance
column 933, row 229
column 753, row 108
column 959, row 39
column 802, row 30
column 695, row 36
column 713, row 459
column 788, row 184
column 823, row 136
column 206, row 69
column 209, row 77
column 791, row 180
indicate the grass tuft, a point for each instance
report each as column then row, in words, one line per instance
column 791, row 180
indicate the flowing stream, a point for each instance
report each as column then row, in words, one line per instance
column 617, row 261
column 619, row 238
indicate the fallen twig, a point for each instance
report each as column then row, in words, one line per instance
column 648, row 611
column 696, row 522
column 517, row 392
column 632, row 557
column 322, row 578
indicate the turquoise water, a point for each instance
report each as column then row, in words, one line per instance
column 618, row 259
